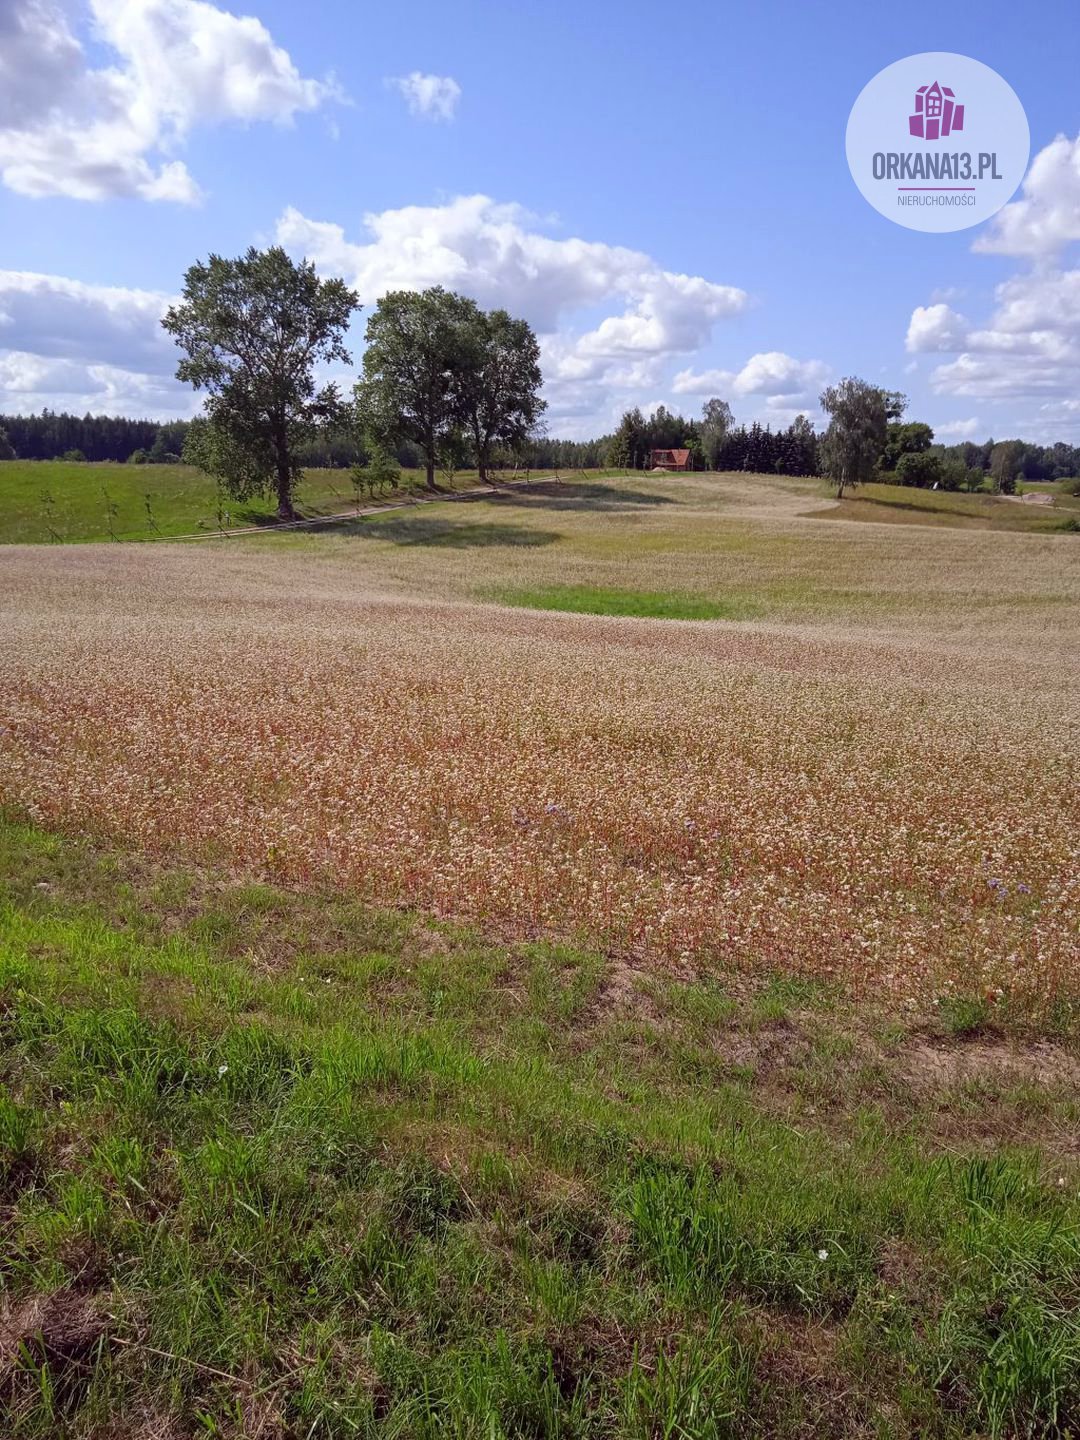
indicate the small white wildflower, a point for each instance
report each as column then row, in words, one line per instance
column 823, row 1254
column 1061, row 1180
column 221, row 1069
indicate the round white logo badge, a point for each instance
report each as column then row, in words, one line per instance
column 937, row 141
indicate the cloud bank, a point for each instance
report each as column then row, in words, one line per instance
column 594, row 363
column 85, row 347
column 94, row 132
column 1025, row 354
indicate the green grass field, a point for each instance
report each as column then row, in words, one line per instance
column 48, row 501
column 598, row 600
column 898, row 504
column 103, row 502
column 281, row 1165
column 455, row 983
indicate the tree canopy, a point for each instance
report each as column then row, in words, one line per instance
column 1005, row 461
column 500, row 385
column 717, row 423
column 438, row 371
column 628, row 446
column 715, row 442
column 253, row 330
column 859, row 415
column 47, row 435
column 754, row 448
column 911, row 438
column 920, row 468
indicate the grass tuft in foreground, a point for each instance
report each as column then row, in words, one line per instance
column 279, row 1165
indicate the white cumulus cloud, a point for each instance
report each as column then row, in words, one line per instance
column 1023, row 357
column 1028, row 347
column 58, row 318
column 495, row 253
column 501, row 256
column 85, row 347
column 958, row 429
column 613, row 323
column 29, row 383
column 936, row 327
column 785, row 382
column 1047, row 216
column 435, row 97
column 91, row 131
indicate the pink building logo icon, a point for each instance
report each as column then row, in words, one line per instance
column 937, row 114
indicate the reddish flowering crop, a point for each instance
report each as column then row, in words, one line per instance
column 900, row 816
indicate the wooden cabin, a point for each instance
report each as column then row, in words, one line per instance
column 669, row 459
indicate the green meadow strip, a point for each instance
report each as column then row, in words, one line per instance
column 648, row 604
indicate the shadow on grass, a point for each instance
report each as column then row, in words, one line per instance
column 1012, row 519
column 922, row 508
column 306, row 511
column 576, row 495
column 264, row 519
column 441, row 533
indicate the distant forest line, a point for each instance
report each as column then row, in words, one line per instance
column 54, row 435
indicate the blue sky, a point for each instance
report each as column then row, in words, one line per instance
column 666, row 194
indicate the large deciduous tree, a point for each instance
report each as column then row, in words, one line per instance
column 254, row 329
column 859, row 415
column 919, row 468
column 802, row 447
column 420, row 343
column 499, row 384
column 910, row 439
column 627, row 446
column 717, row 423
column 1005, row 460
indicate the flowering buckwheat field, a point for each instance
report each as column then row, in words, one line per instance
column 873, row 779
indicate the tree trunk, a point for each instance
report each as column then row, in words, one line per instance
column 480, row 445
column 430, row 471
column 285, row 509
